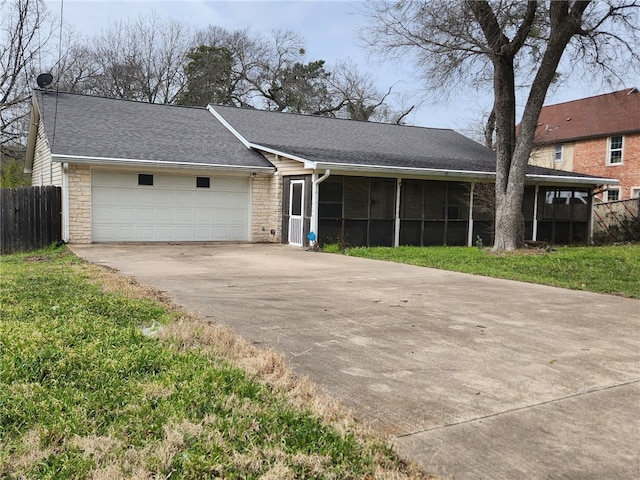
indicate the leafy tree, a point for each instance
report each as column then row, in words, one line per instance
column 12, row 168
column 302, row 88
column 209, row 77
column 505, row 43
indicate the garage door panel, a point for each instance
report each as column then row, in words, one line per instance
column 145, row 214
column 125, row 215
column 165, row 233
column 166, row 199
column 173, row 208
column 165, row 215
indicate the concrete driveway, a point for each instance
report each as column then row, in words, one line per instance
column 473, row 378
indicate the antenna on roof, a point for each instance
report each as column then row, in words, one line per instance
column 44, row 80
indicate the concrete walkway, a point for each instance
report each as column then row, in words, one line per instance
column 472, row 377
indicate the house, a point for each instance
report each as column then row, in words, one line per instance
column 139, row 172
column 599, row 136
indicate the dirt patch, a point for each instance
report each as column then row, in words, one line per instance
column 37, row 258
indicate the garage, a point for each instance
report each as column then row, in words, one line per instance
column 139, row 206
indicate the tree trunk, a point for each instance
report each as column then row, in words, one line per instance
column 508, row 230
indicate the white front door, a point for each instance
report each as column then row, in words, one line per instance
column 296, row 213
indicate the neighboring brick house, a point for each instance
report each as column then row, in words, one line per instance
column 598, row 136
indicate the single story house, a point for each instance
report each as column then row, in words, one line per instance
column 140, row 172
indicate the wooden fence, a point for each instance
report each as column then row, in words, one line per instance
column 610, row 214
column 31, row 218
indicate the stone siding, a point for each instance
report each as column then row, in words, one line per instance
column 79, row 203
column 266, row 208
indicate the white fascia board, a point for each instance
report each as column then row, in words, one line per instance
column 307, row 163
column 132, row 162
column 404, row 170
column 228, row 126
column 573, row 180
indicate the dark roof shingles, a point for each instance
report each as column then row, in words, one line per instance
column 89, row 126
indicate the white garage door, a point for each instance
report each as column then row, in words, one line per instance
column 125, row 208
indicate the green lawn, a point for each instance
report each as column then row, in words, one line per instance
column 614, row 269
column 86, row 392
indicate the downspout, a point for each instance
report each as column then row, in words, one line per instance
column 535, row 214
column 470, row 226
column 315, row 190
column 65, row 202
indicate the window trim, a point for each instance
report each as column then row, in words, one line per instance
column 555, row 153
column 635, row 192
column 613, row 189
column 610, row 150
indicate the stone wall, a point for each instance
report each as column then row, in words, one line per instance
column 266, row 209
column 79, row 203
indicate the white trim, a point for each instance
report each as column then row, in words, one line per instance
column 534, row 234
column 228, row 126
column 579, row 180
column 612, row 189
column 307, row 163
column 315, row 200
column 65, row 202
column 470, row 217
column 302, row 205
column 608, row 161
column 396, row 233
column 592, row 218
column 555, row 152
column 636, row 190
column 351, row 167
column 134, row 162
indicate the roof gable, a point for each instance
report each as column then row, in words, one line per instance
column 341, row 141
column 92, row 127
column 599, row 116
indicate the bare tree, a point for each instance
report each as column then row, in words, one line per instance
column 25, row 28
column 505, row 43
column 141, row 59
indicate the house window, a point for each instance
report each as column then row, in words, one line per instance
column 145, row 179
column 635, row 192
column 614, row 156
column 557, row 153
column 203, row 182
column 613, row 194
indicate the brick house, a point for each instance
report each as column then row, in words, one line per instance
column 598, row 136
column 140, row 172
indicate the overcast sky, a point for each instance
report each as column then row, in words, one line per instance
column 330, row 28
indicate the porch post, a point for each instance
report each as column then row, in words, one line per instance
column 315, row 198
column 396, row 236
column 470, row 232
column 535, row 214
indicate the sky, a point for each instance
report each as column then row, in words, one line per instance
column 330, row 28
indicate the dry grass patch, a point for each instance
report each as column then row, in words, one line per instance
column 87, row 393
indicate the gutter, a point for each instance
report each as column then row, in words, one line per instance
column 131, row 162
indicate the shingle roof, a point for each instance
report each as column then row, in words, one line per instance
column 603, row 115
column 87, row 126
column 347, row 142
column 97, row 127
column 341, row 141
